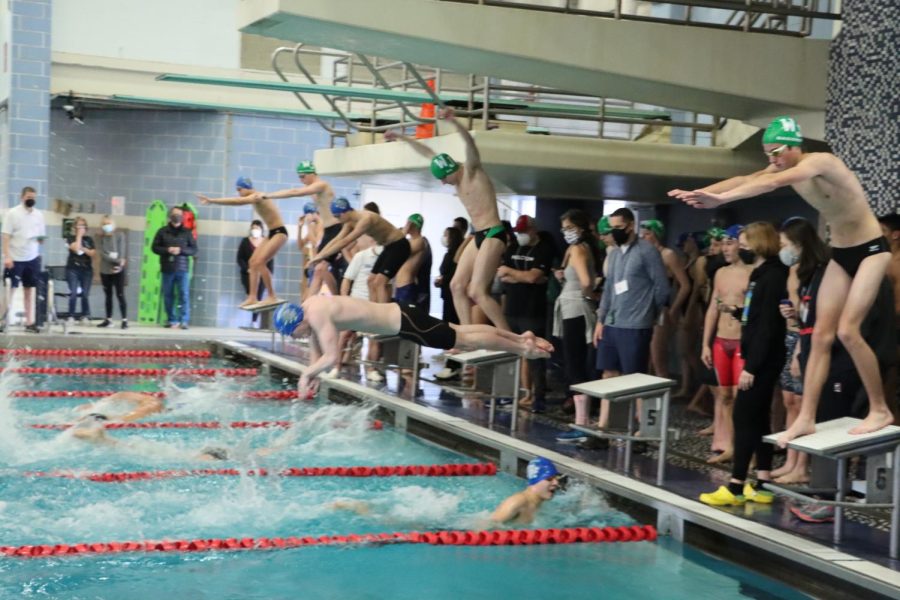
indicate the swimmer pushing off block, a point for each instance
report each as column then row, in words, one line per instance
column 323, row 317
column 859, row 259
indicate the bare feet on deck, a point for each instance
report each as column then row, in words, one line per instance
column 707, row 430
column 720, row 458
column 800, row 428
column 793, row 478
column 874, row 421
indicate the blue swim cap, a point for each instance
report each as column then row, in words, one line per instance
column 733, row 232
column 540, row 469
column 287, row 318
column 310, row 208
column 339, row 206
column 243, row 183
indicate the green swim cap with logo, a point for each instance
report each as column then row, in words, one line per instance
column 306, row 167
column 443, row 165
column 715, row 233
column 656, row 226
column 417, row 219
column 783, row 130
column 603, row 227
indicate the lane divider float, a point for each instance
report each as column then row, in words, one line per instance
column 448, row 470
column 124, row 372
column 255, row 395
column 376, row 424
column 111, row 353
column 503, row 537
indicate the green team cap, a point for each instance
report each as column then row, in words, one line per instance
column 417, row 220
column 656, row 226
column 715, row 233
column 305, row 167
column 603, row 227
column 783, row 130
column 443, row 165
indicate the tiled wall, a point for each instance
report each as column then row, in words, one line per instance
column 170, row 155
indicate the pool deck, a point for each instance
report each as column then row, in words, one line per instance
column 861, row 559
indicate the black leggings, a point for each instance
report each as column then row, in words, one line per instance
column 752, row 418
column 117, row 280
column 575, row 350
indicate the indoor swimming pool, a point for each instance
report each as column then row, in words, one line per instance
column 47, row 497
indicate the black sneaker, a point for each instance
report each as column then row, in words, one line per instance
column 105, row 323
column 124, row 323
column 32, row 328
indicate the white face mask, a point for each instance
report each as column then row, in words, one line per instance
column 445, row 242
column 788, row 257
column 256, row 232
column 109, row 228
column 523, row 239
column 571, row 237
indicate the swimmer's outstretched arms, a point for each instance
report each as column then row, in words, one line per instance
column 144, row 404
column 324, row 317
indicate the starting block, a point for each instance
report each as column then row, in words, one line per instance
column 266, row 311
column 399, row 353
column 832, row 443
column 655, row 393
column 497, row 375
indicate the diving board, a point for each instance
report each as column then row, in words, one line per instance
column 655, row 393
column 497, row 375
column 832, row 441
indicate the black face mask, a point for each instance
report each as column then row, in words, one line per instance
column 620, row 236
column 29, row 202
column 175, row 220
column 748, row 257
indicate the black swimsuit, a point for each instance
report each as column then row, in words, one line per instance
column 850, row 258
column 277, row 230
column 418, row 326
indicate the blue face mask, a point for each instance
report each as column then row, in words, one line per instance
column 788, row 257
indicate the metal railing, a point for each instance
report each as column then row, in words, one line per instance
column 781, row 17
column 484, row 102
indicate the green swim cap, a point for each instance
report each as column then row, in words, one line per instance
column 656, row 226
column 603, row 227
column 416, row 219
column 783, row 130
column 306, row 167
column 443, row 165
column 715, row 233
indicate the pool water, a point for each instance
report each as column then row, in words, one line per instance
column 52, row 510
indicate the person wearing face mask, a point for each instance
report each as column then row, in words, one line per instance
column 574, row 315
column 451, row 240
column 79, row 269
column 523, row 274
column 248, row 246
column 113, row 260
column 174, row 244
column 635, row 292
column 24, row 230
column 762, row 349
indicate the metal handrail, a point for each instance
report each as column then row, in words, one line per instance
column 747, row 10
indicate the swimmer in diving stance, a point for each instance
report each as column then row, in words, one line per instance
column 324, row 317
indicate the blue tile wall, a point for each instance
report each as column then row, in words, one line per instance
column 146, row 155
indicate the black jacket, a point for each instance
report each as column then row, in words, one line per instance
column 245, row 251
column 762, row 335
column 168, row 237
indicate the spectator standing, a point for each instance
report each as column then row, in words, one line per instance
column 24, row 230
column 113, row 260
column 245, row 251
column 80, row 269
column 174, row 244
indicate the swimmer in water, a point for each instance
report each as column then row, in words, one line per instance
column 142, row 405
column 92, row 428
column 521, row 507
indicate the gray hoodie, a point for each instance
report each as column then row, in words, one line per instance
column 112, row 245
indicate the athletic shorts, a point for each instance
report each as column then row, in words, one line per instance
column 850, row 258
column 25, row 272
column 624, row 350
column 392, row 258
column 727, row 361
column 418, row 326
column 788, row 382
column 277, row 230
column 405, row 294
column 496, row 232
